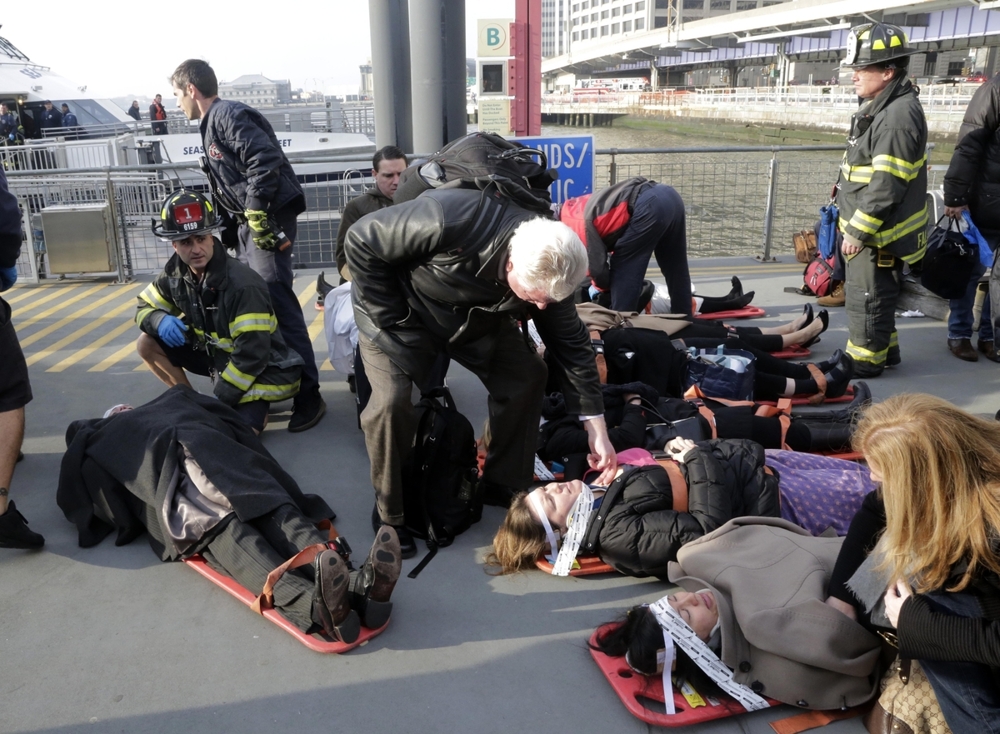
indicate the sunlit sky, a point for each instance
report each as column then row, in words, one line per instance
column 130, row 48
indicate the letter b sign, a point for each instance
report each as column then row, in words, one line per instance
column 494, row 37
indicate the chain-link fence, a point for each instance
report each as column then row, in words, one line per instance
column 745, row 201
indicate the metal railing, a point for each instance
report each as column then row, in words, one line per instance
column 739, row 200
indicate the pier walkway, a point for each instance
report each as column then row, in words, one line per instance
column 109, row 639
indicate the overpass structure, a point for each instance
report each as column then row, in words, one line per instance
column 770, row 39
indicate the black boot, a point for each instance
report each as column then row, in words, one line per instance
column 408, row 547
column 331, row 606
column 862, row 399
column 830, row 436
column 14, row 532
column 372, row 585
column 322, row 289
column 306, row 411
column 737, row 289
column 839, row 378
column 711, row 304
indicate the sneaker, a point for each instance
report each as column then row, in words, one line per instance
column 14, row 532
column 407, row 546
column 331, row 601
column 306, row 413
column 837, row 297
column 374, row 583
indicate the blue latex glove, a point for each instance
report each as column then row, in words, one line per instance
column 171, row 331
column 593, row 290
column 8, row 277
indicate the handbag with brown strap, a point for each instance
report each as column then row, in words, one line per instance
column 907, row 704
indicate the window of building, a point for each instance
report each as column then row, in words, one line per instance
column 627, row 26
column 663, row 4
column 616, row 28
column 576, row 7
column 615, row 12
column 720, row 4
column 955, row 68
column 641, row 5
column 930, row 62
column 593, row 17
column 576, row 35
column 746, row 4
column 689, row 4
column 604, row 30
column 593, row 32
column 585, row 4
column 660, row 21
column 627, row 9
column 604, row 14
column 640, row 23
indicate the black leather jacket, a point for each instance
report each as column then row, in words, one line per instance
column 430, row 275
column 246, row 161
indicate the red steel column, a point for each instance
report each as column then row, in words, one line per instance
column 525, row 72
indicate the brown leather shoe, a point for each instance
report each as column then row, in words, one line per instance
column 989, row 350
column 837, row 297
column 962, row 348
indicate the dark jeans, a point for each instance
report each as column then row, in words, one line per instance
column 276, row 270
column 960, row 319
column 658, row 228
column 966, row 692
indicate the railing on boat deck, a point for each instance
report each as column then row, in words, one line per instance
column 745, row 201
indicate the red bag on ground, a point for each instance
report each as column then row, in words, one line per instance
column 817, row 278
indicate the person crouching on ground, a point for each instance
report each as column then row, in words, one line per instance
column 210, row 314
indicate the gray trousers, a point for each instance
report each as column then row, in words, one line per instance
column 515, row 379
column 249, row 551
column 872, row 291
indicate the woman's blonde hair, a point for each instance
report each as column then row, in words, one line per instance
column 519, row 541
column 940, row 471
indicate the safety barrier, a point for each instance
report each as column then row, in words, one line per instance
column 739, row 201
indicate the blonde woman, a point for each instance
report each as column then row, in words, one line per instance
column 939, row 469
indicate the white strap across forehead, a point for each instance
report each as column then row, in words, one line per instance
column 577, row 523
column 703, row 656
column 552, row 535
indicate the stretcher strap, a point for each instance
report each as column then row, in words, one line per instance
column 820, row 379
column 266, row 598
column 602, row 364
column 703, row 656
column 678, row 486
column 577, row 522
column 709, row 415
column 694, row 393
column 815, row 719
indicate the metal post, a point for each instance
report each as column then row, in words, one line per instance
column 30, row 243
column 390, row 40
column 613, row 168
column 427, row 83
column 456, row 75
column 772, row 185
column 113, row 213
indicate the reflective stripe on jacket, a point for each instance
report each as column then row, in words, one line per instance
column 230, row 314
column 883, row 177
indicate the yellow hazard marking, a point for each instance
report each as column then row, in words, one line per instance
column 87, row 351
column 40, row 334
column 116, row 357
column 54, row 294
column 25, row 293
column 56, row 309
column 307, row 294
column 326, row 366
column 82, row 331
column 316, row 326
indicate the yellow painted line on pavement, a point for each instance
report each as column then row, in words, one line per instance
column 87, row 351
column 27, row 341
column 56, row 293
column 116, row 357
column 56, row 309
column 316, row 326
column 308, row 294
column 25, row 293
column 82, row 331
column 326, row 366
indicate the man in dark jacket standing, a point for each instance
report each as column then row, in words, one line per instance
column 51, row 118
column 15, row 389
column 133, row 111
column 972, row 184
column 158, row 115
column 881, row 193
column 255, row 183
column 622, row 227
column 453, row 271
column 387, row 164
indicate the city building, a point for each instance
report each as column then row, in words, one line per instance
column 257, row 90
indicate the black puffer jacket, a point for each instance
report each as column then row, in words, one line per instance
column 973, row 177
column 430, row 275
column 636, row 529
column 247, row 162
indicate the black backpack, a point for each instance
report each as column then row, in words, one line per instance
column 441, row 496
column 478, row 160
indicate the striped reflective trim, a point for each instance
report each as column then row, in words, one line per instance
column 915, row 223
column 898, row 167
column 154, row 298
column 271, row 393
column 253, row 322
column 864, row 222
column 857, row 174
column 894, row 340
column 860, row 354
column 142, row 313
column 236, row 378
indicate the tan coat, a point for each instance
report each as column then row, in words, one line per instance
column 779, row 637
column 598, row 318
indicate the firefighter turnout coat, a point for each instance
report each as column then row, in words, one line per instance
column 229, row 315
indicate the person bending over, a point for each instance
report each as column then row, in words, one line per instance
column 210, row 314
column 188, row 470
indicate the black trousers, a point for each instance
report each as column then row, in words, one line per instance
column 249, row 551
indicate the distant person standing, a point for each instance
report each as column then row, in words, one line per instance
column 972, row 184
column 158, row 115
column 881, row 193
column 9, row 126
column 15, row 389
column 133, row 111
column 387, row 164
column 50, row 119
column 254, row 182
column 70, row 123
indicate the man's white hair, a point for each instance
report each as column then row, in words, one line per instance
column 548, row 257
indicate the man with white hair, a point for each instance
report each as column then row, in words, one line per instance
column 454, row 271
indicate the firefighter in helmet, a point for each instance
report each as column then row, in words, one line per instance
column 210, row 314
column 881, row 191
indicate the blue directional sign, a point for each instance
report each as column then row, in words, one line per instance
column 573, row 157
